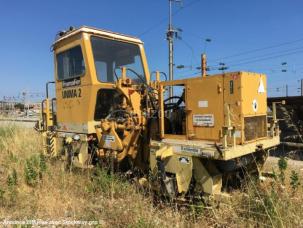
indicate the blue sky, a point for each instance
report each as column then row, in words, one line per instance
column 235, row 26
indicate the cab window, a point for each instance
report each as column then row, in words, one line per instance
column 111, row 55
column 70, row 63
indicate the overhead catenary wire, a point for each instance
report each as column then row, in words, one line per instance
column 287, row 51
column 264, row 59
column 193, row 56
column 234, row 55
column 188, row 74
column 258, row 58
column 162, row 21
column 252, row 59
column 258, row 49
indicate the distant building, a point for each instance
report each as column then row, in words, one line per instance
column 7, row 105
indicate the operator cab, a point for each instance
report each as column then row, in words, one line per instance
column 88, row 63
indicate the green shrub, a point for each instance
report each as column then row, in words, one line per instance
column 282, row 163
column 34, row 168
column 109, row 185
column 42, row 163
column 12, row 181
column 294, row 181
column 30, row 173
column 14, row 177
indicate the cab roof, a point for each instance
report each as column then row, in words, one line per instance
column 95, row 31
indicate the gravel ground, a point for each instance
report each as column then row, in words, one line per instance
column 272, row 162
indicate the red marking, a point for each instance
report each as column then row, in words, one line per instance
column 130, row 91
column 235, row 77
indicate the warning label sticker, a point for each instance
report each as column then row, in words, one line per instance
column 203, row 120
column 261, row 88
column 108, row 139
column 202, row 104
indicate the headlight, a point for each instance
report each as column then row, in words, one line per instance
column 76, row 137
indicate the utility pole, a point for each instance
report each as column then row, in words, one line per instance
column 286, row 90
column 203, row 58
column 24, row 94
column 302, row 87
column 203, row 65
column 170, row 38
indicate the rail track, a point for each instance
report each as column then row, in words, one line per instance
column 22, row 122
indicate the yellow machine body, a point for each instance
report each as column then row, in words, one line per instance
column 225, row 118
column 213, row 128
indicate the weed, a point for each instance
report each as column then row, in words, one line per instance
column 34, row 168
column 142, row 223
column 110, row 185
column 12, row 181
column 42, row 162
column 2, row 192
column 282, row 163
column 294, row 181
column 30, row 173
column 13, row 158
column 14, row 177
column 274, row 175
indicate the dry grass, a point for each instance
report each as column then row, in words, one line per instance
column 87, row 195
column 80, row 195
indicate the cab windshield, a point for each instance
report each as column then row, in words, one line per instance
column 111, row 55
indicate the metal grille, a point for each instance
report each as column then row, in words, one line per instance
column 255, row 127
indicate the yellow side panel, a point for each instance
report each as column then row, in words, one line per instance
column 76, row 104
column 243, row 93
column 205, row 98
column 254, row 96
column 233, row 98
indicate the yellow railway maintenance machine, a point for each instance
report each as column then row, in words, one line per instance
column 107, row 111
